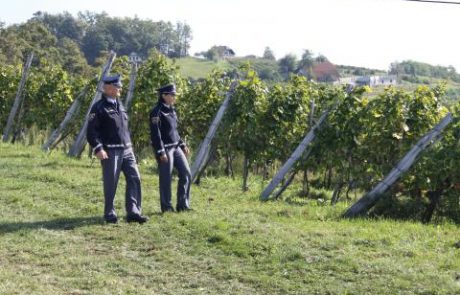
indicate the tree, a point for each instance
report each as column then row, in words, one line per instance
column 306, row 64
column 182, row 44
column 321, row 58
column 62, row 25
column 218, row 52
column 9, row 79
column 287, row 64
column 212, row 54
column 72, row 59
column 93, row 44
column 93, row 33
column 18, row 40
column 268, row 54
column 307, row 59
column 11, row 47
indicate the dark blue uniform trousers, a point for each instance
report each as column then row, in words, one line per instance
column 121, row 160
column 177, row 159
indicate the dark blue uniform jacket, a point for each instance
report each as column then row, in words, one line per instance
column 108, row 126
column 163, row 129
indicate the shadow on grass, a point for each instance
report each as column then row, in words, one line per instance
column 18, row 155
column 55, row 224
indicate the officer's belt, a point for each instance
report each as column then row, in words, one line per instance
column 114, row 146
column 174, row 144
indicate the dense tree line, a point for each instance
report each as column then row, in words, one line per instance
column 78, row 41
column 411, row 69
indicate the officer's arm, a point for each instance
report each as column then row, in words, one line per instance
column 183, row 146
column 155, row 135
column 93, row 131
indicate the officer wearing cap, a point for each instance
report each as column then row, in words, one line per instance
column 170, row 150
column 108, row 135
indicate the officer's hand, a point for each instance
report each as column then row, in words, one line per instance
column 164, row 158
column 186, row 151
column 102, row 155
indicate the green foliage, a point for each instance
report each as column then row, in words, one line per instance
column 71, row 58
column 242, row 118
column 47, row 96
column 407, row 69
column 358, row 71
column 199, row 105
column 268, row 54
column 196, row 68
column 363, row 140
column 286, row 118
column 17, row 41
column 287, row 64
column 9, row 79
column 216, row 53
column 266, row 69
column 122, row 66
column 66, row 39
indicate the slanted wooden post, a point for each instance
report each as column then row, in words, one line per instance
column 293, row 158
column 18, row 99
column 132, row 82
column 134, row 59
column 56, row 136
column 199, row 162
column 362, row 206
column 80, row 141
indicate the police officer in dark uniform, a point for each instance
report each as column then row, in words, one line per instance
column 170, row 150
column 108, row 135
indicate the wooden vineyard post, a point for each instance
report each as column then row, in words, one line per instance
column 134, row 59
column 18, row 99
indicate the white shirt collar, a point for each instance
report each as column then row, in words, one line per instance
column 111, row 100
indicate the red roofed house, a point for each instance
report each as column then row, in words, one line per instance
column 325, row 72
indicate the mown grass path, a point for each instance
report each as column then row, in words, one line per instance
column 53, row 240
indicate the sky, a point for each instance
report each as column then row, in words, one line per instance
column 365, row 33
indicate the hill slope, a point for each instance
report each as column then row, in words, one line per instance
column 196, row 68
column 54, row 242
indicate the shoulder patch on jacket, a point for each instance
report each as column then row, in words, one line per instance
column 155, row 120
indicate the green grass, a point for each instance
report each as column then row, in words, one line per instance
column 197, row 68
column 53, row 240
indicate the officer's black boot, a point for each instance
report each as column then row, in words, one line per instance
column 137, row 218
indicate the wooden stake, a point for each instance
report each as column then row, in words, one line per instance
column 18, row 99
